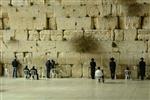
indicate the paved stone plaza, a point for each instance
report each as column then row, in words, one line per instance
column 73, row 89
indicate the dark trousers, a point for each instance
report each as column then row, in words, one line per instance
column 112, row 75
column 14, row 72
column 142, row 75
column 93, row 74
column 48, row 73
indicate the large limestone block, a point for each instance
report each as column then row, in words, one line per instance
column 27, row 46
column 64, row 46
column 119, row 10
column 11, row 46
column 20, row 35
column 149, row 46
column 8, row 57
column 92, row 10
column 19, row 3
column 65, row 23
column 105, row 46
column 77, row 71
column 107, row 23
column 34, row 35
column 73, row 58
column 86, row 70
column 83, row 23
column 91, row 2
column 64, row 71
column 28, row 58
column 6, row 23
column 70, row 11
column 20, row 57
column 71, row 2
column 130, row 22
column 72, row 34
column 104, row 9
column 37, row 2
column 1, row 24
column 132, row 46
column 119, row 35
column 56, row 35
column 45, row 35
column 8, row 34
column 101, row 35
column 130, row 34
column 51, row 55
column 46, row 46
column 4, row 2
column 143, row 34
column 146, row 23
column 52, row 23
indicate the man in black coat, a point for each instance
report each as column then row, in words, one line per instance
column 142, row 68
column 112, row 65
column 48, row 68
column 15, row 65
column 93, row 67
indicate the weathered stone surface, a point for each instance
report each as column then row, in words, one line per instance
column 45, row 35
column 20, row 35
column 52, row 23
column 34, row 35
column 56, row 35
column 8, row 34
column 107, row 23
column 65, row 23
column 130, row 34
column 71, row 35
column 130, row 22
column 101, row 35
column 146, row 23
column 1, row 24
column 143, row 34
column 77, row 71
column 119, row 35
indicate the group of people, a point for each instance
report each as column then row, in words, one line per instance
column 99, row 73
column 49, row 65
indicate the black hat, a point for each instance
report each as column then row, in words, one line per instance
column 92, row 59
column 142, row 58
column 111, row 58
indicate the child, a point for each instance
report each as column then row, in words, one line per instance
column 99, row 74
column 127, row 73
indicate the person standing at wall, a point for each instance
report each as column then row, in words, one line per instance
column 48, row 68
column 93, row 67
column 112, row 65
column 142, row 65
column 15, row 65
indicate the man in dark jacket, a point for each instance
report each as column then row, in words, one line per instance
column 112, row 65
column 48, row 68
column 142, row 68
column 15, row 65
column 93, row 67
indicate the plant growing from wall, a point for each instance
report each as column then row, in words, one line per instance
column 84, row 44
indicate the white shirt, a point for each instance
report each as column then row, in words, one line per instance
column 98, row 73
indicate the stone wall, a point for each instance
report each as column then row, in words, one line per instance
column 35, row 30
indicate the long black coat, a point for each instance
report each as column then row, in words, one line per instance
column 15, row 63
column 142, row 67
column 112, row 66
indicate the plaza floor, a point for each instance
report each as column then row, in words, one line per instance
column 73, row 89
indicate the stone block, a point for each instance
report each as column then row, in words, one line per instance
column 6, row 23
column 107, row 23
column 86, row 70
column 8, row 35
column 27, row 46
column 130, row 34
column 148, row 46
column 146, row 23
column 70, row 11
column 104, row 10
column 72, row 34
column 73, row 58
column 65, row 23
column 132, row 46
column 19, row 3
column 70, row 2
column 1, row 24
column 34, row 35
column 20, row 35
column 130, row 22
column 143, row 34
column 64, row 46
column 91, row 2
column 46, row 46
column 119, row 35
column 64, row 71
column 52, row 23
column 101, row 35
column 77, row 71
column 92, row 10
column 37, row 2
column 119, row 10
column 82, row 23
column 56, row 35
column 5, row 2
column 45, row 35
column 8, row 57
column 27, row 58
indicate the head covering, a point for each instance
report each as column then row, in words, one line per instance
column 142, row 58
column 111, row 58
column 92, row 59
